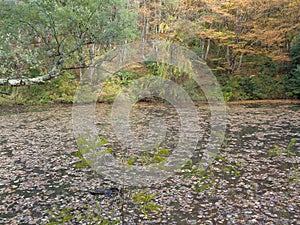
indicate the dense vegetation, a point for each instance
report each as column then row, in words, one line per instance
column 252, row 46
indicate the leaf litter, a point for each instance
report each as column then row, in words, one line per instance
column 246, row 184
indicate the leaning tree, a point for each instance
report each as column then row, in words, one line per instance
column 41, row 39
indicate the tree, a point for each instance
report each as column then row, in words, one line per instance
column 293, row 77
column 238, row 28
column 40, row 39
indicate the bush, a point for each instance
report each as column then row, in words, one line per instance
column 292, row 79
column 58, row 90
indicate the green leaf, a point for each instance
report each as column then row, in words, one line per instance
column 188, row 175
column 82, row 164
column 203, row 187
column 203, row 179
column 131, row 161
column 290, row 145
column 157, row 159
column 109, row 150
column 83, row 150
column 103, row 141
column 220, row 157
column 163, row 152
column 77, row 154
column 273, row 153
column 154, row 207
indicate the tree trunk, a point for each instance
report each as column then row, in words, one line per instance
column 207, row 49
column 202, row 47
column 240, row 62
column 27, row 81
column 92, row 53
column 228, row 56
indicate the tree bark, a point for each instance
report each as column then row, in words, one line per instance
column 240, row 62
column 202, row 47
column 207, row 49
column 4, row 93
column 27, row 81
column 227, row 56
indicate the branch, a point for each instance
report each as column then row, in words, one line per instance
column 4, row 93
column 54, row 72
column 27, row 81
column 75, row 67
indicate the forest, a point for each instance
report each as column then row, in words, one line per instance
column 149, row 112
column 252, row 47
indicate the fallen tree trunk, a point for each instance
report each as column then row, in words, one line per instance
column 54, row 72
column 4, row 93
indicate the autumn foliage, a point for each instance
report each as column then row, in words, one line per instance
column 249, row 44
column 246, row 42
